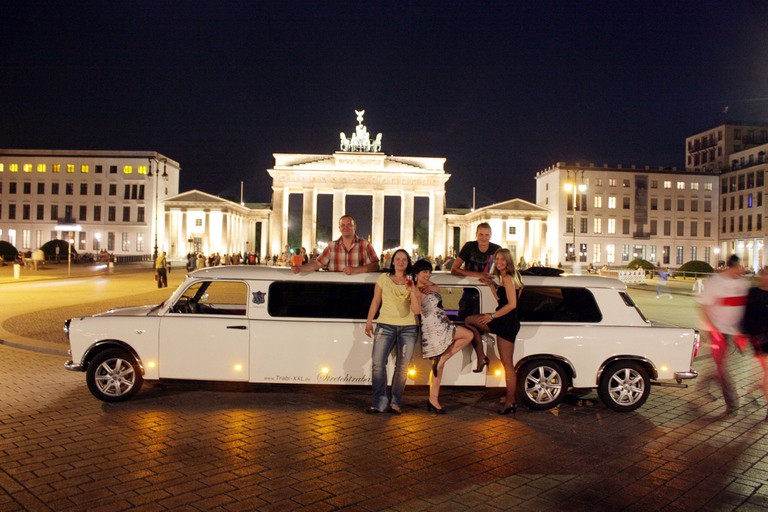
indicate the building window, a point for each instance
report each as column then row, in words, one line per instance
column 681, row 205
column 126, row 242
column 126, row 214
column 707, row 205
column 110, row 241
column 680, row 228
column 725, row 204
column 26, row 239
column 654, row 184
column 54, row 212
column 596, row 253
column 694, row 205
column 732, row 182
column 56, row 168
column 611, row 202
column 69, row 189
column 665, row 255
column 667, row 204
column 679, row 255
column 112, row 189
column 134, row 191
column 625, row 183
column 111, row 214
column 142, row 170
column 41, row 212
column 652, row 256
column 598, row 226
column 141, row 192
column 695, row 186
column 68, row 217
column 98, row 169
column 139, row 241
column 667, row 228
column 55, row 189
column 751, row 180
column 12, row 187
column 140, row 214
column 680, row 185
column 27, row 167
column 759, row 199
column 40, row 167
column 749, row 223
column 127, row 194
column 741, row 202
column 81, row 240
column 694, row 229
column 708, row 186
column 199, row 223
column 733, row 223
column 693, row 253
column 13, row 168
column 625, row 226
column 759, row 179
column 97, row 213
column 741, row 223
column 598, row 201
column 84, row 170
column 654, row 203
column 611, row 226
column 70, row 168
column 741, row 179
column 654, row 227
column 749, row 201
column 707, row 229
column 83, row 189
column 598, row 182
column 41, row 188
column 625, row 203
column 128, row 169
column 26, row 212
column 27, row 187
column 83, row 212
column 625, row 253
column 667, row 184
column 610, row 253
column 569, row 224
column 583, row 224
column 759, row 222
column 611, row 182
column 512, row 229
column 97, row 189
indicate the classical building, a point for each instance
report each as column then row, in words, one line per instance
column 612, row 215
column 711, row 151
column 111, row 195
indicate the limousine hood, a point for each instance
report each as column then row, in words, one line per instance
column 132, row 311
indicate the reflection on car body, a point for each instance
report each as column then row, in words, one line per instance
column 267, row 325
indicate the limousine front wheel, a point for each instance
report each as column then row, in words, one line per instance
column 542, row 384
column 113, row 376
column 624, row 386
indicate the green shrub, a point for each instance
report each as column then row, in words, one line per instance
column 644, row 264
column 694, row 269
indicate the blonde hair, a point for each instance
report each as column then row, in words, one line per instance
column 511, row 268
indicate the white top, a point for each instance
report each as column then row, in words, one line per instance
column 725, row 299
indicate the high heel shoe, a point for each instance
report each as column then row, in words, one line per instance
column 485, row 363
column 506, row 410
column 437, row 410
column 435, row 362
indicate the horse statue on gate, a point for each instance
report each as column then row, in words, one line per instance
column 376, row 145
column 345, row 144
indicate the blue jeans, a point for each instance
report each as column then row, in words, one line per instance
column 384, row 340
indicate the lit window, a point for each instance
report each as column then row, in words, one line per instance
column 596, row 253
column 84, row 169
column 2, row 167
column 142, row 169
column 128, row 169
column 612, row 202
column 611, row 226
column 598, row 226
column 610, row 251
column 667, row 184
column 27, row 167
column 70, row 168
column 598, row 182
column 598, row 201
column 56, row 168
column 611, row 182
column 680, row 185
column 40, row 167
column 707, row 186
column 14, row 167
column 695, row 186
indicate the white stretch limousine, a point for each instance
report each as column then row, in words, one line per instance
column 268, row 325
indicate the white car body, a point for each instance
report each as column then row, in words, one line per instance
column 248, row 330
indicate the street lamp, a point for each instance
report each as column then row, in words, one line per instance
column 572, row 185
column 70, row 229
column 157, row 177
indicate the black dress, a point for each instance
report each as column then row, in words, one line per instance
column 506, row 326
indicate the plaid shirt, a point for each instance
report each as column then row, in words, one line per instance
column 337, row 257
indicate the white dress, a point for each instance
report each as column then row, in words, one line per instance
column 437, row 331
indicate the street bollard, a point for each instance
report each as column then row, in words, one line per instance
column 16, row 271
column 111, row 266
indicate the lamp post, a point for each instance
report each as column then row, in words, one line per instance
column 70, row 229
column 157, row 177
column 572, row 185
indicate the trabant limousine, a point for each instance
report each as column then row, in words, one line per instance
column 268, row 325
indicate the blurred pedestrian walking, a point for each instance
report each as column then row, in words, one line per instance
column 755, row 324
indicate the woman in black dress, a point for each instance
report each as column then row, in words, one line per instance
column 503, row 322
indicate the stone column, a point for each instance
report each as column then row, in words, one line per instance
column 543, row 241
column 207, row 234
column 406, row 221
column 309, row 219
column 504, row 230
column 437, row 245
column 224, row 245
column 338, row 210
column 278, row 220
column 377, row 221
column 166, row 238
column 527, row 240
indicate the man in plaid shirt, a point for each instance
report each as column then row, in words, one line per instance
column 348, row 254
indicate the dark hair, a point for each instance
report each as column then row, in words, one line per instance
column 733, row 261
column 408, row 269
column 421, row 266
column 483, row 225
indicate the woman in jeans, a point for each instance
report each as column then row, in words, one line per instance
column 396, row 326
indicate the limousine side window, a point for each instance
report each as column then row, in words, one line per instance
column 319, row 300
column 459, row 302
column 214, row 298
column 554, row 304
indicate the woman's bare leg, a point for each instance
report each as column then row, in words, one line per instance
column 507, row 352
column 461, row 339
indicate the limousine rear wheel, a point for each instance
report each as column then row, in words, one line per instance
column 542, row 384
column 114, row 376
column 624, row 386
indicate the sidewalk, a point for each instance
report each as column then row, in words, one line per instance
column 59, row 271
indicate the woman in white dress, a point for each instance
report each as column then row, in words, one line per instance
column 440, row 339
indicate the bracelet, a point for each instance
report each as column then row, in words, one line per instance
column 493, row 315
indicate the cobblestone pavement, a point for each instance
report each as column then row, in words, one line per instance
column 201, row 446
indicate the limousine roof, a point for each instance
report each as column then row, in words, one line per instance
column 440, row 278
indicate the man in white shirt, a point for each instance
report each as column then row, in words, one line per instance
column 722, row 310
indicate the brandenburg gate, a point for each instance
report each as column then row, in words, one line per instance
column 359, row 168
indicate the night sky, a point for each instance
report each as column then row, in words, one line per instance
column 500, row 89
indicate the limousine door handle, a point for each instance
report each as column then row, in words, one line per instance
column 242, row 327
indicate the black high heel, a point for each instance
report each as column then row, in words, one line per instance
column 435, row 362
column 506, row 410
column 485, row 363
column 437, row 410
